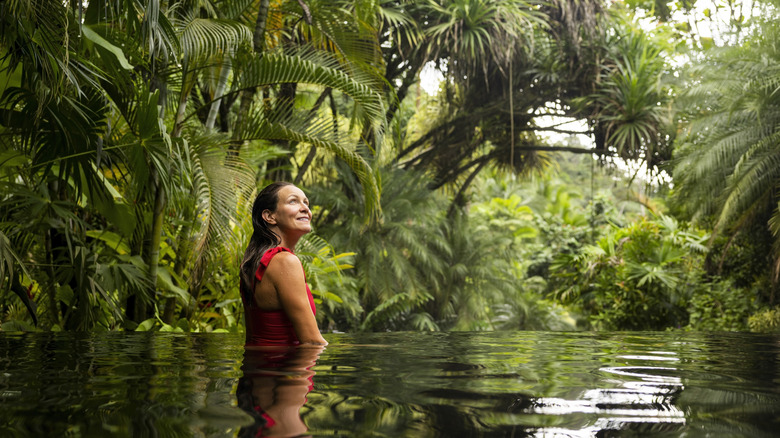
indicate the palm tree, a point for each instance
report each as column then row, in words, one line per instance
column 506, row 62
column 727, row 161
column 52, row 118
column 481, row 277
column 103, row 122
column 400, row 259
column 479, row 41
column 630, row 107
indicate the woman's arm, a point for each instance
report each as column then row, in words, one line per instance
column 286, row 273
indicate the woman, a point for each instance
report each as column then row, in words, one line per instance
column 278, row 305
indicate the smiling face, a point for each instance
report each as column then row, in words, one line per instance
column 293, row 215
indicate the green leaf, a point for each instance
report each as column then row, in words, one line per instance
column 17, row 326
column 65, row 294
column 304, row 67
column 147, row 325
column 328, row 295
column 113, row 240
column 170, row 328
column 164, row 277
column 114, row 50
column 12, row 158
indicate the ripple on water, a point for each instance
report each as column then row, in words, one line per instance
column 402, row 384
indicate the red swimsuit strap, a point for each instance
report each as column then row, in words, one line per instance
column 266, row 259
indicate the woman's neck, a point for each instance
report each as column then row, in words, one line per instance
column 288, row 241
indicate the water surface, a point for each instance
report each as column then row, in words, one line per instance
column 392, row 385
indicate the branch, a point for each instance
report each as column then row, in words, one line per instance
column 306, row 11
column 562, row 131
column 575, row 150
column 443, row 178
column 458, row 199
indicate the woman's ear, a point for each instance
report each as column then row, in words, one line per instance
column 269, row 217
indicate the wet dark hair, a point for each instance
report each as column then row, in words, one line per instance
column 262, row 237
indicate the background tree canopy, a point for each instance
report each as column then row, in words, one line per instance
column 134, row 135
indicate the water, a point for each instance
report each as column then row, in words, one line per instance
column 392, row 385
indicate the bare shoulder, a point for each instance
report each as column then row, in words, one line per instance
column 284, row 262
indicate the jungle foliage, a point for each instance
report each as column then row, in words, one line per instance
column 134, row 134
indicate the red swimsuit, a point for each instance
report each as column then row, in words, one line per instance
column 269, row 327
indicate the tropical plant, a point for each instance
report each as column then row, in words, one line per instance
column 767, row 320
column 110, row 169
column 487, row 288
column 727, row 161
column 399, row 259
column 329, row 285
column 630, row 106
column 639, row 277
column 718, row 305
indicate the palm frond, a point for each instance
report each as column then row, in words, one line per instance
column 273, row 69
column 348, row 37
column 202, row 39
column 394, row 309
column 728, row 160
column 221, row 181
column 260, row 128
column 158, row 35
column 233, row 9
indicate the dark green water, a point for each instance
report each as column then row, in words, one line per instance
column 392, row 385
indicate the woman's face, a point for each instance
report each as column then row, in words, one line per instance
column 292, row 211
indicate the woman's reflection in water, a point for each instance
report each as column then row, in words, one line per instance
column 274, row 388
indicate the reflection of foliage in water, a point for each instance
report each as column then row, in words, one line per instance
column 400, row 384
column 531, row 382
column 122, row 384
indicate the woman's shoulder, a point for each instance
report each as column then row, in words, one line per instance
column 284, row 259
column 272, row 253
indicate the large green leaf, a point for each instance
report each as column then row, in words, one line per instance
column 107, row 46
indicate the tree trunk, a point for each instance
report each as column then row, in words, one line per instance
column 511, row 118
column 247, row 96
column 313, row 151
column 152, row 253
column 280, row 167
column 217, row 101
column 460, row 197
column 187, row 82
